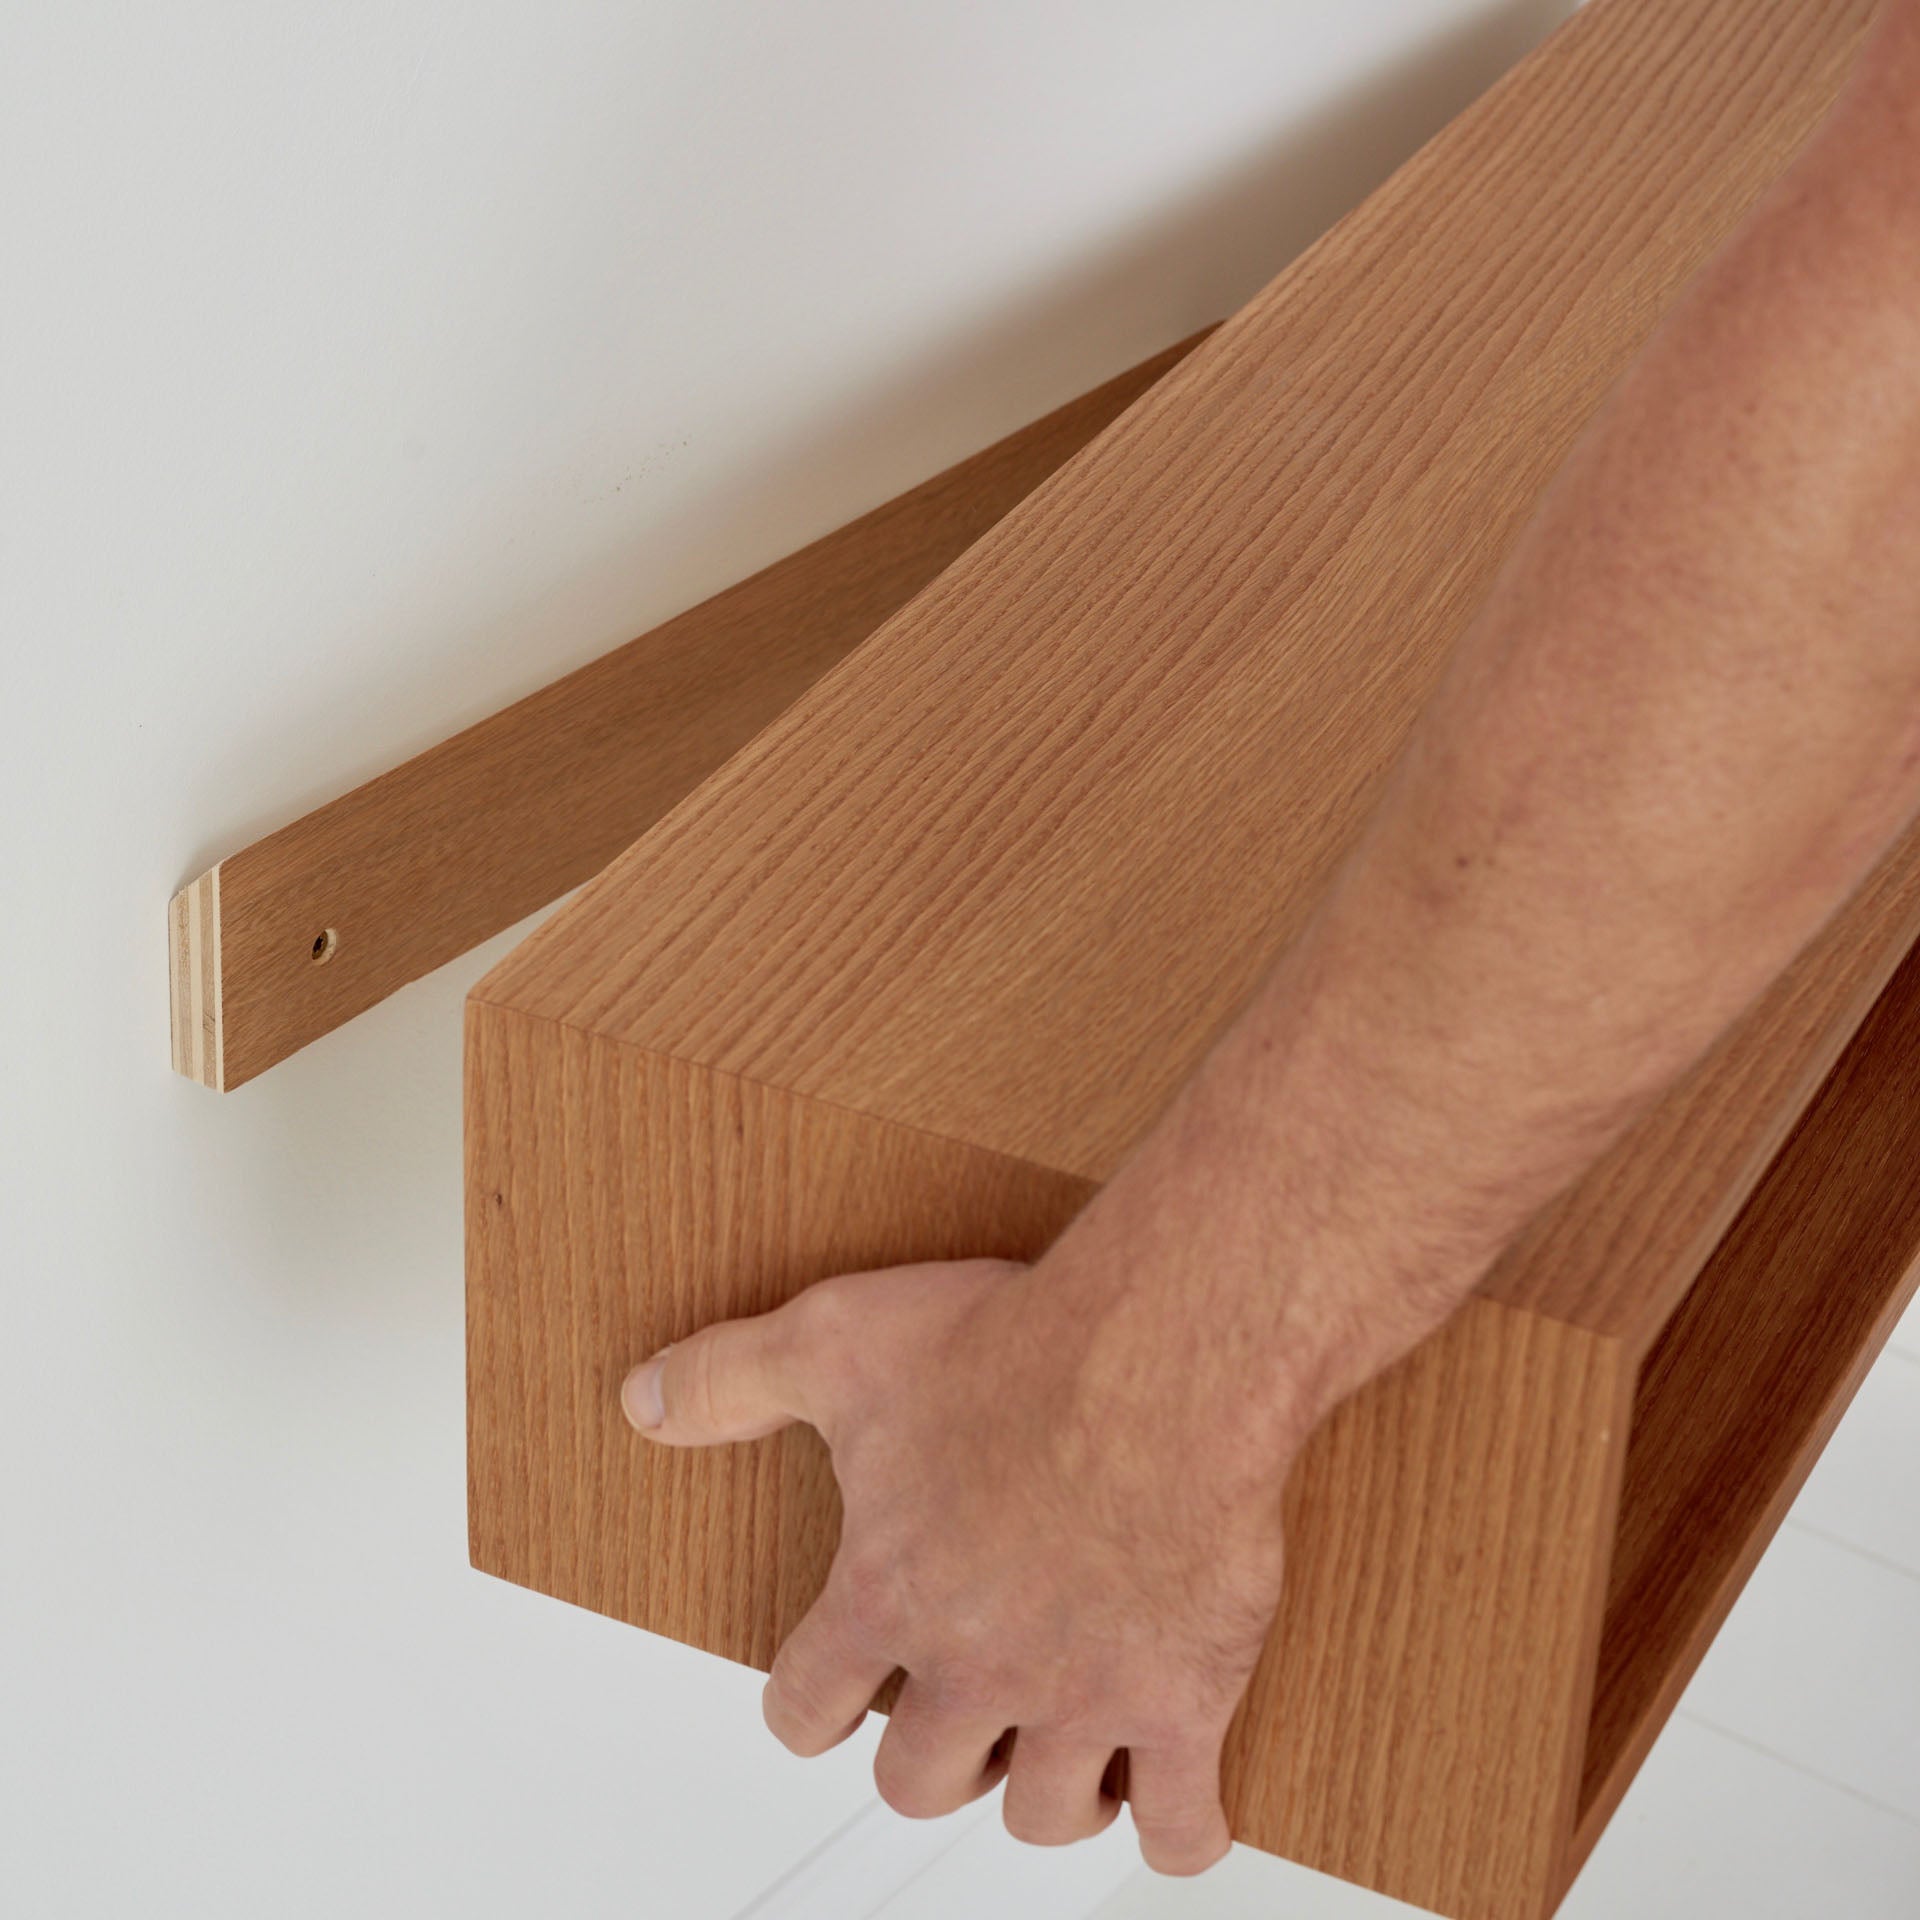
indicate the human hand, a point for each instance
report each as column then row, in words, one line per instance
column 1060, row 1521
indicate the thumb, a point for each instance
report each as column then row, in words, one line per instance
column 733, row 1381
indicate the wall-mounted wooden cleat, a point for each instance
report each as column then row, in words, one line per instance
column 286, row 939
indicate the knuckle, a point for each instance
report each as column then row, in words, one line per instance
column 904, row 1788
column 1079, row 1719
column 1164, row 1729
column 823, row 1312
column 1180, row 1819
column 796, row 1715
column 1047, row 1817
column 1024, row 1826
column 697, row 1382
column 793, row 1734
column 826, row 1332
column 1030, row 1828
column 870, row 1600
column 1182, row 1841
column 1183, row 1862
column 963, row 1688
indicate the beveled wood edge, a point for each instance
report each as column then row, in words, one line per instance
column 1528, row 1428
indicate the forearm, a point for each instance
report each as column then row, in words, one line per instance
column 1678, row 733
column 1684, row 724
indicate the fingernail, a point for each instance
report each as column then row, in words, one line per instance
column 640, row 1393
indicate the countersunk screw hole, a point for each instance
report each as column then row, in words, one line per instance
column 326, row 943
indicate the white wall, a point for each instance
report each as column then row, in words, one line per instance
column 363, row 365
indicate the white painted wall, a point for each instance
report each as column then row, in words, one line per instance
column 363, row 365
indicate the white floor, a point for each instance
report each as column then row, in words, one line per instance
column 1787, row 1787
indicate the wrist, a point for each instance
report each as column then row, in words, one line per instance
column 1205, row 1313
column 1257, row 1259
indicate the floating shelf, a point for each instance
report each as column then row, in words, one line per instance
column 908, row 976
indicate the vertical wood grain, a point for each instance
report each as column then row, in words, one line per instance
column 616, row 1201
column 1417, row 1720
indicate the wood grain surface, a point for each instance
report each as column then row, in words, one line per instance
column 1417, row 1721
column 426, row 861
column 1005, row 872
column 911, row 973
column 1418, row 1718
column 589, row 1162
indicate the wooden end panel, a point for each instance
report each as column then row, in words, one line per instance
column 1747, row 1381
column 617, row 1201
column 1418, row 1720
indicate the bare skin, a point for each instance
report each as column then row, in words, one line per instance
column 1679, row 732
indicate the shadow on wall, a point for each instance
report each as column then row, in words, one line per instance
column 369, row 1116
column 1181, row 265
